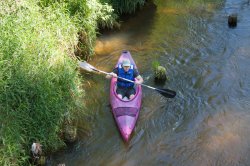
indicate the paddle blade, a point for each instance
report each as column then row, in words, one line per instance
column 84, row 65
column 166, row 92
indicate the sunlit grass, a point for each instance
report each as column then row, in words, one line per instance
column 126, row 6
column 39, row 83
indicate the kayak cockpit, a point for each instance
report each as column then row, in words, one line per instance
column 136, row 87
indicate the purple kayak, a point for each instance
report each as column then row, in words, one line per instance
column 125, row 112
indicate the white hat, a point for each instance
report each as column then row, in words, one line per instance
column 126, row 62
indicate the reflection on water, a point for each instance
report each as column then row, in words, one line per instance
column 207, row 64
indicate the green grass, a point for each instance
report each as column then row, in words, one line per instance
column 125, row 6
column 88, row 16
column 39, row 83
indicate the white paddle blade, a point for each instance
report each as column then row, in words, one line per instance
column 84, row 65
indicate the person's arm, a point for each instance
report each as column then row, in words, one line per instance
column 138, row 77
column 112, row 74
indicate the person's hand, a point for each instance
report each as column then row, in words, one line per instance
column 109, row 75
column 137, row 82
column 113, row 74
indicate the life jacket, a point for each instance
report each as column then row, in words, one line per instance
column 128, row 75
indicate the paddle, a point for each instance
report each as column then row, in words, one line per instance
column 165, row 92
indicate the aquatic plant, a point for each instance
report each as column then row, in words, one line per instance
column 159, row 71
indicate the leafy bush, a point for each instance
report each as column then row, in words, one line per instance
column 125, row 6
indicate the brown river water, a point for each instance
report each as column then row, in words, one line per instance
column 208, row 65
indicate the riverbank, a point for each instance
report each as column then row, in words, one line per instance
column 40, row 88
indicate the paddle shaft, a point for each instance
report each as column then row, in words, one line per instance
column 127, row 80
column 165, row 92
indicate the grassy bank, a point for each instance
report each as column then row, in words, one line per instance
column 39, row 80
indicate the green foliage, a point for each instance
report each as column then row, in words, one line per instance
column 106, row 16
column 96, row 14
column 159, row 71
column 87, row 16
column 155, row 64
column 125, row 6
column 38, row 80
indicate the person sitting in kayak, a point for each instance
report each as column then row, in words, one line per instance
column 126, row 70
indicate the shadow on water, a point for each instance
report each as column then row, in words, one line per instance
column 130, row 36
column 207, row 64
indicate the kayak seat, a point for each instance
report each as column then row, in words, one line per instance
column 121, row 111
